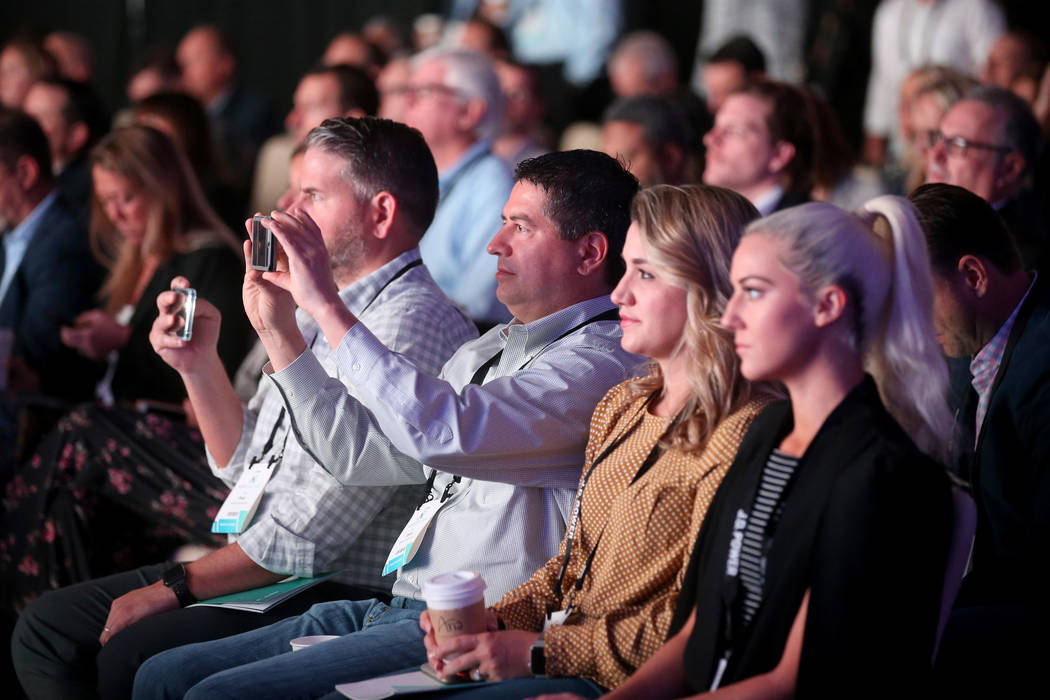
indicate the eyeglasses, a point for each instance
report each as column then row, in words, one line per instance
column 957, row 145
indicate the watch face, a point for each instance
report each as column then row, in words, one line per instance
column 174, row 575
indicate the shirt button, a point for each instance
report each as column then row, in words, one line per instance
column 357, row 367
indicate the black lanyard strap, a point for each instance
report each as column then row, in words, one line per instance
column 481, row 372
column 654, row 455
column 397, row 275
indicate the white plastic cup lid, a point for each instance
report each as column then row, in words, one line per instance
column 456, row 589
column 303, row 642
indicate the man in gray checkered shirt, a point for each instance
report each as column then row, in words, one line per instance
column 501, row 431
column 369, row 190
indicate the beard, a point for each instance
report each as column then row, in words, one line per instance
column 346, row 255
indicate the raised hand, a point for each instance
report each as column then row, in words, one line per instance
column 185, row 356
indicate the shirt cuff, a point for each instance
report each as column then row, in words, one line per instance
column 302, row 380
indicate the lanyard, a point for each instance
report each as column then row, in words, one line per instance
column 481, row 372
column 650, row 460
column 479, row 377
column 276, row 426
column 403, row 270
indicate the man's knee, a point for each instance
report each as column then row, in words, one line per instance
column 44, row 648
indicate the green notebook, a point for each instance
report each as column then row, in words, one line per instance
column 262, row 599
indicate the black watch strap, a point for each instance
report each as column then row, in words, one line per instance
column 538, row 658
column 175, row 579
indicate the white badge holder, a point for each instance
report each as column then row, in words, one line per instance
column 407, row 543
column 555, row 619
column 239, row 507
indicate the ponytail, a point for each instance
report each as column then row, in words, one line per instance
column 902, row 352
column 879, row 257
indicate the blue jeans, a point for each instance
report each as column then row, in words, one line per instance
column 377, row 639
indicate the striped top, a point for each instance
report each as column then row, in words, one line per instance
column 759, row 530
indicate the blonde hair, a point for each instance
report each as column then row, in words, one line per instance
column 179, row 219
column 878, row 257
column 689, row 234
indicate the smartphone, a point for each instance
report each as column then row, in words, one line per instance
column 185, row 306
column 264, row 246
column 457, row 679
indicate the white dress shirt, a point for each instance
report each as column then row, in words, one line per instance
column 517, row 440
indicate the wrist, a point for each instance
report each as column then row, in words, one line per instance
column 203, row 372
column 282, row 347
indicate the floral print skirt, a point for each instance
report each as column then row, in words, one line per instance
column 107, row 490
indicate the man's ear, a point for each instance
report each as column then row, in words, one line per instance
column 973, row 273
column 472, row 113
column 27, row 172
column 383, row 211
column 592, row 249
column 783, row 153
column 77, row 137
column 831, row 302
column 1010, row 170
column 355, row 113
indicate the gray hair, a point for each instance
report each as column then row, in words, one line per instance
column 1020, row 130
column 473, row 75
column 652, row 50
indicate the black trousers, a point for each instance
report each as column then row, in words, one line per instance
column 55, row 643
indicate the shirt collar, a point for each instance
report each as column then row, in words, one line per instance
column 27, row 227
column 468, row 156
column 535, row 335
column 767, row 202
column 990, row 356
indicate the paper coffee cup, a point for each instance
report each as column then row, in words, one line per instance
column 456, row 603
column 303, row 642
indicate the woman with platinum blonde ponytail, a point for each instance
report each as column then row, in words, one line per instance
column 820, row 565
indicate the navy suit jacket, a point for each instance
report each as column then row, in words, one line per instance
column 57, row 279
column 1011, row 470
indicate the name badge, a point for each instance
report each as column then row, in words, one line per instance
column 407, row 543
column 555, row 619
column 239, row 507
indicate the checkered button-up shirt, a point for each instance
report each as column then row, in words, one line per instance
column 308, row 522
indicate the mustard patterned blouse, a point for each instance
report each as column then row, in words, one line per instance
column 623, row 611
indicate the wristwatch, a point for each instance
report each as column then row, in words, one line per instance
column 538, row 658
column 175, row 579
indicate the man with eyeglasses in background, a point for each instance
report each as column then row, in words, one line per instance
column 988, row 143
column 455, row 101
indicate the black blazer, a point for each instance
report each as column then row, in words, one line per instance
column 57, row 279
column 866, row 527
column 217, row 273
column 1011, row 470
